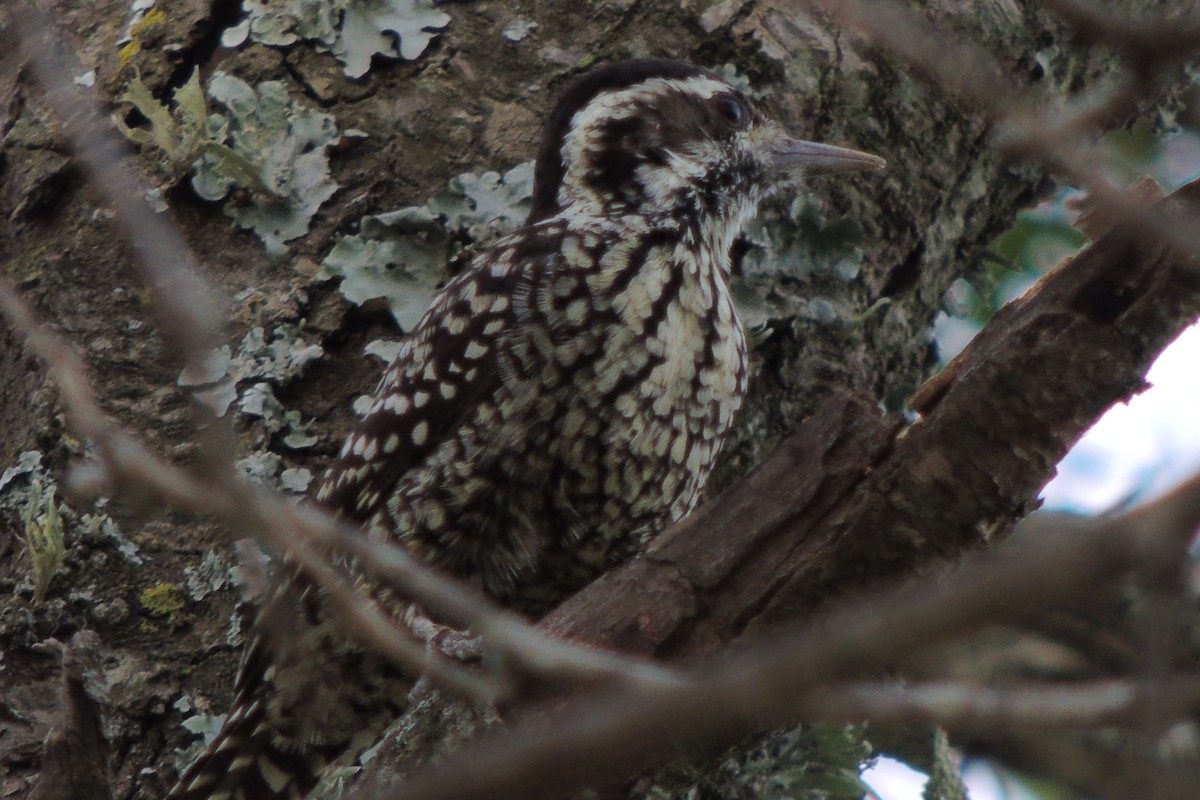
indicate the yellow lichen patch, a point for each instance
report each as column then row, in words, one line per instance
column 152, row 18
column 135, row 45
column 163, row 600
column 129, row 51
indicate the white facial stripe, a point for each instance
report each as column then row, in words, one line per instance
column 622, row 103
column 701, row 85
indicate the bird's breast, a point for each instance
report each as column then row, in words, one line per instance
column 670, row 375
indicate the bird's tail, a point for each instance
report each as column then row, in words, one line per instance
column 249, row 761
column 301, row 701
column 296, row 709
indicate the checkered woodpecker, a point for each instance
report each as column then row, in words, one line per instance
column 562, row 400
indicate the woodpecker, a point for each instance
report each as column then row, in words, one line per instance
column 563, row 399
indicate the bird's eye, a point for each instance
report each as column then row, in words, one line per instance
column 732, row 110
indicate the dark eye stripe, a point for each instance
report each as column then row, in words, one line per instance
column 550, row 169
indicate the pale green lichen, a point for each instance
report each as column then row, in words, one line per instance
column 266, row 469
column 295, row 480
column 281, row 159
column 43, row 537
column 269, row 360
column 352, row 30
column 28, row 491
column 260, row 467
column 259, row 401
column 210, row 575
column 733, row 75
column 518, row 30
column 401, row 255
column 206, row 726
column 800, row 241
column 100, row 527
column 177, row 134
column 28, row 463
column 383, row 349
column 272, row 148
column 277, row 357
column 788, row 247
column 262, row 363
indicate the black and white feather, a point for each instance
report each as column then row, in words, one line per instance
column 562, row 400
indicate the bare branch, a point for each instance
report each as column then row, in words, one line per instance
column 305, row 534
column 128, row 462
column 627, row 727
column 845, row 503
column 186, row 307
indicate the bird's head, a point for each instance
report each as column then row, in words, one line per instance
column 670, row 141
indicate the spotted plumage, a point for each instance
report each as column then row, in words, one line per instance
column 563, row 399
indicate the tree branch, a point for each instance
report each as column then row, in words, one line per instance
column 606, row 734
column 842, row 504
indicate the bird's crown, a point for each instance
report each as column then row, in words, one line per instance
column 669, row 140
column 641, row 136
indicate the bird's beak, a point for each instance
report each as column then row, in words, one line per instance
column 798, row 157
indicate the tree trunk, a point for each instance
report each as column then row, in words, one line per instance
column 848, row 308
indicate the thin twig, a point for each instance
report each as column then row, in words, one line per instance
column 128, row 462
column 188, row 311
column 186, row 307
column 968, row 707
column 306, row 534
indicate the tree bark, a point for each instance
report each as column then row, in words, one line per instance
column 474, row 101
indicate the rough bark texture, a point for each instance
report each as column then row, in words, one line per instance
column 474, row 101
column 846, row 502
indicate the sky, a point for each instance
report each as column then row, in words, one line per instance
column 1140, row 450
column 1135, row 452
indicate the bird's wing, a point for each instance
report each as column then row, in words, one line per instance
column 457, row 354
column 453, row 358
